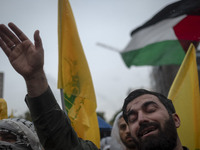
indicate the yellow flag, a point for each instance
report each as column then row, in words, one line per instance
column 185, row 95
column 11, row 114
column 74, row 77
column 3, row 109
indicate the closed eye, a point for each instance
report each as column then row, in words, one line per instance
column 131, row 119
column 132, row 116
column 150, row 107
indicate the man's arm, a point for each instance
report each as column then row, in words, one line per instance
column 25, row 57
column 52, row 125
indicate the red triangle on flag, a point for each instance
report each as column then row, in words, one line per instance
column 188, row 31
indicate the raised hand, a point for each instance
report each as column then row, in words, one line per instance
column 25, row 57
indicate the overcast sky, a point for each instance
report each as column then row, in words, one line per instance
column 105, row 21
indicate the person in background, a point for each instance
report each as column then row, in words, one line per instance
column 18, row 134
column 120, row 135
column 105, row 143
column 152, row 121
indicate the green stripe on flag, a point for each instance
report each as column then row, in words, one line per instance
column 160, row 53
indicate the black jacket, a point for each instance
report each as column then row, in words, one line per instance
column 53, row 125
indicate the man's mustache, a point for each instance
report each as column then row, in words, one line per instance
column 144, row 127
column 128, row 136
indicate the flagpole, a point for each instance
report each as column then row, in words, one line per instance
column 108, row 47
column 62, row 100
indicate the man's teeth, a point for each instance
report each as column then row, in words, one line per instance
column 147, row 131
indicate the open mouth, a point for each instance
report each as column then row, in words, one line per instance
column 146, row 131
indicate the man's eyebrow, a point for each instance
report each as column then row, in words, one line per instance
column 149, row 103
column 131, row 111
column 121, row 125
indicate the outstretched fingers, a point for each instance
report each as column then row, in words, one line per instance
column 11, row 38
column 18, row 32
column 5, row 42
column 4, row 47
column 8, row 36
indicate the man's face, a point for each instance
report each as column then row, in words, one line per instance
column 148, row 122
column 124, row 134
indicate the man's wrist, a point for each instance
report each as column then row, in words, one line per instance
column 37, row 84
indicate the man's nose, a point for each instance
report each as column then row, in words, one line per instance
column 142, row 117
column 127, row 129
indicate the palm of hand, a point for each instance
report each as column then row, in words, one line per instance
column 26, row 59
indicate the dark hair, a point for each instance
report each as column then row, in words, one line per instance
column 134, row 94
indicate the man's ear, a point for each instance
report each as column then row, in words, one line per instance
column 176, row 119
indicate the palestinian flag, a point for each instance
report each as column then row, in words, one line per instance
column 165, row 38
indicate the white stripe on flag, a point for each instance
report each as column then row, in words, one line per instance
column 158, row 32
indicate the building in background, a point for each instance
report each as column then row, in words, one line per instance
column 163, row 76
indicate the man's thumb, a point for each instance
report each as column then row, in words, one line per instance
column 37, row 39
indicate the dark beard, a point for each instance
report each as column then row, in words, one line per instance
column 165, row 140
column 130, row 145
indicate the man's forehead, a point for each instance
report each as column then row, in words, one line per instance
column 121, row 120
column 140, row 100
